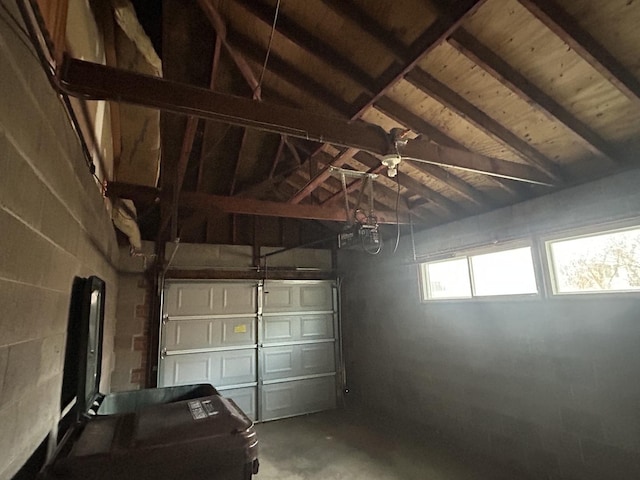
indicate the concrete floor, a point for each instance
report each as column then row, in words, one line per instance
column 339, row 445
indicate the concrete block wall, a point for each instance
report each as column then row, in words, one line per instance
column 546, row 385
column 53, row 226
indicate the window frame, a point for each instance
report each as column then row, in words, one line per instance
column 594, row 230
column 467, row 255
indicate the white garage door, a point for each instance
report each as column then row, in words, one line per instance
column 271, row 347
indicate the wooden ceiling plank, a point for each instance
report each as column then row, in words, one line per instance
column 287, row 71
column 570, row 32
column 308, row 42
column 443, row 94
column 435, row 34
column 370, row 26
column 409, row 119
column 473, row 49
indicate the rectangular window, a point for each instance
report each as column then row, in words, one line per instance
column 604, row 262
column 448, row 279
column 507, row 272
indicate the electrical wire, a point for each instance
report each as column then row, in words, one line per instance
column 395, row 248
column 266, row 58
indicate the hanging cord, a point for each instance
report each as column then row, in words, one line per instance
column 346, row 196
column 395, row 248
column 266, row 58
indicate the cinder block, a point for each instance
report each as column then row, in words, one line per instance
column 52, row 356
column 21, row 191
column 22, row 372
column 9, row 422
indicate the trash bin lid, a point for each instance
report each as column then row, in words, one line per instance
column 90, row 351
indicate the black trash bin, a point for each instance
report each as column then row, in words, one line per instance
column 183, row 432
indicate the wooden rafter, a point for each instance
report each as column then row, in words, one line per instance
column 570, row 32
column 443, row 94
column 472, row 48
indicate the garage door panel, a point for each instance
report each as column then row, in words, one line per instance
column 298, row 397
column 292, row 328
column 279, row 329
column 295, row 296
column 188, row 334
column 218, row 368
column 316, row 326
column 209, row 298
column 298, row 360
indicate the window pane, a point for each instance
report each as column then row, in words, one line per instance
column 607, row 262
column 504, row 273
column 448, row 279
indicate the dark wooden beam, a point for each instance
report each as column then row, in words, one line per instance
column 443, row 94
column 403, row 116
column 581, row 41
column 473, row 49
column 244, row 206
column 98, row 82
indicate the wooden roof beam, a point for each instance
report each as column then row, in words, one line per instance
column 443, row 94
column 473, row 49
column 570, row 32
